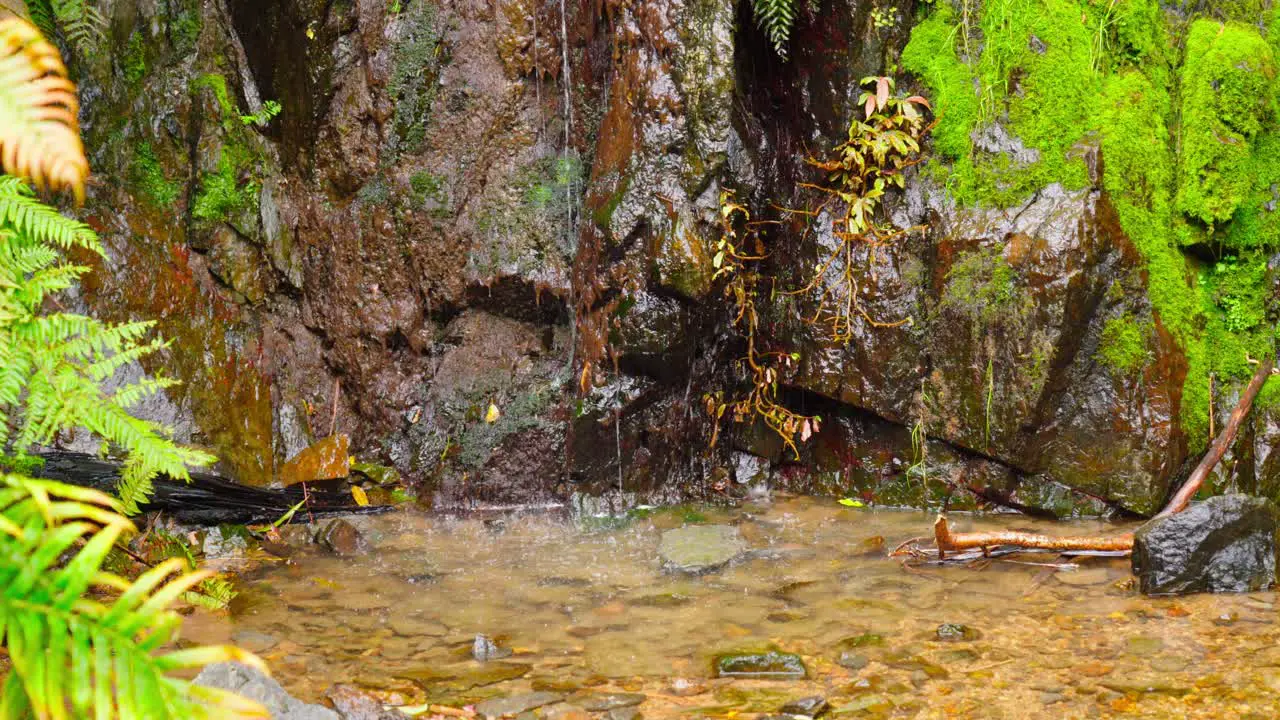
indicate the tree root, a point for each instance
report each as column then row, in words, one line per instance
column 947, row 541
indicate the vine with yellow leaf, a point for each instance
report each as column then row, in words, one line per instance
column 874, row 158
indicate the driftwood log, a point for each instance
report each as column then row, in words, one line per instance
column 207, row 499
column 948, row 541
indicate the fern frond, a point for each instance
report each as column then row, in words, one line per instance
column 38, row 222
column 39, row 129
column 43, row 17
column 776, row 18
column 76, row 656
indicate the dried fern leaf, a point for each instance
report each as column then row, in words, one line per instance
column 39, row 129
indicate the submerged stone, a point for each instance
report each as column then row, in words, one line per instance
column 811, row 706
column 1224, row 544
column 766, row 665
column 955, row 632
column 600, row 702
column 484, row 649
column 698, row 549
column 515, row 704
column 342, row 538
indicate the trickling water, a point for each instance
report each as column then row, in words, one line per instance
column 589, row 608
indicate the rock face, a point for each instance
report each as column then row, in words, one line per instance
column 430, row 228
column 252, row 684
column 698, row 549
column 1224, row 544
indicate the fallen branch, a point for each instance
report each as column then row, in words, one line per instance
column 1220, row 445
column 947, row 541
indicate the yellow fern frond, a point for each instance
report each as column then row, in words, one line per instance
column 39, row 129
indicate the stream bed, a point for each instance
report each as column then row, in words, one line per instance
column 583, row 611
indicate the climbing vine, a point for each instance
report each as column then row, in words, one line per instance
column 880, row 146
column 874, row 158
column 739, row 247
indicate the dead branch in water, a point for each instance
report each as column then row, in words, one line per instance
column 950, row 542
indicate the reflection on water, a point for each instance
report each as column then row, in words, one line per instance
column 587, row 607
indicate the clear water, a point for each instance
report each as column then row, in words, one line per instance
column 589, row 609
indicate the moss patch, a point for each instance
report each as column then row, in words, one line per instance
column 1124, row 345
column 147, row 177
column 221, row 195
column 415, row 69
column 1227, row 87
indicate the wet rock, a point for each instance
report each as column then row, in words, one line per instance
column 684, row 687
column 484, row 649
column 464, row 676
column 328, row 459
column 354, row 704
column 218, row 545
column 852, row 660
column 600, row 702
column 252, row 684
column 1224, row 544
column 567, row 712
column 628, row 713
column 870, row 704
column 297, row 535
column 772, row 665
column 697, row 549
column 516, row 704
column 1143, row 645
column 341, row 538
column 811, row 706
column 254, row 641
column 955, row 632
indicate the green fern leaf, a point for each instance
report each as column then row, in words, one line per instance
column 74, row 656
column 776, row 18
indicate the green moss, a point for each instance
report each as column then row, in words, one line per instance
column 218, row 84
column 1227, row 97
column 1269, row 398
column 185, row 30
column 981, row 285
column 1256, row 224
column 134, row 61
column 931, row 54
column 1124, row 345
column 221, row 196
column 146, row 176
column 415, row 68
column 427, row 186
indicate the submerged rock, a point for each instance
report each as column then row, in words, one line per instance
column 342, row 538
column 697, row 549
column 485, row 649
column 1225, row 544
column 772, row 665
column 600, row 702
column 811, row 706
column 516, row 704
column 955, row 632
column 253, row 684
